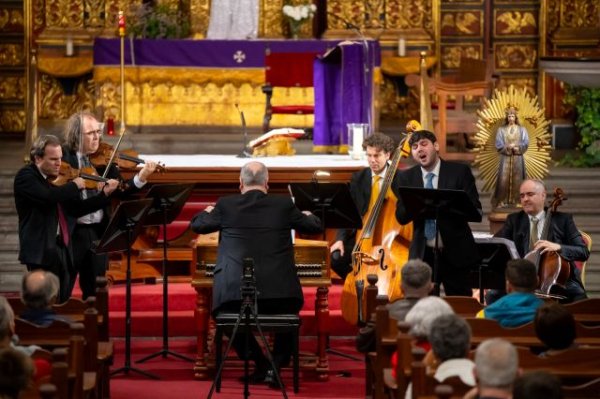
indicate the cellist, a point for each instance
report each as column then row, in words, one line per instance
column 563, row 236
column 457, row 252
column 379, row 148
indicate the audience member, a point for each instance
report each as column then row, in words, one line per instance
column 416, row 284
column 555, row 327
column 519, row 306
column 16, row 372
column 421, row 318
column 450, row 338
column 537, row 385
column 496, row 368
column 39, row 292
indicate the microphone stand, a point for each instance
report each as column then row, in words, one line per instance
column 245, row 153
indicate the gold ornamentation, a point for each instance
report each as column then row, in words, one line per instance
column 451, row 55
column 579, row 14
column 11, row 54
column 491, row 117
column 199, row 17
column 93, row 11
column 38, row 12
column 460, row 24
column 64, row 14
column 515, row 22
column 12, row 88
column 11, row 20
column 529, row 83
column 12, row 120
column 55, row 104
column 516, row 56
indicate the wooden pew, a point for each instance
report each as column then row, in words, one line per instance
column 464, row 306
column 572, row 363
column 586, row 311
column 587, row 390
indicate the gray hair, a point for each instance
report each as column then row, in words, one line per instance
column 7, row 316
column 415, row 274
column 450, row 337
column 38, row 148
column 538, row 184
column 40, row 296
column 74, row 129
column 254, row 174
column 496, row 364
column 422, row 315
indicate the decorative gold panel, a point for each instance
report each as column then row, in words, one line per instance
column 199, row 17
column 515, row 23
column 579, row 14
column 11, row 20
column 451, row 54
column 527, row 81
column 462, row 23
column 270, row 22
column 93, row 13
column 516, row 57
column 37, row 9
column 469, row 2
column 12, row 120
column 64, row 14
column 11, row 54
column 12, row 88
column 55, row 104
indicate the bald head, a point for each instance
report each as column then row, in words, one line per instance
column 496, row 364
column 254, row 176
column 39, row 289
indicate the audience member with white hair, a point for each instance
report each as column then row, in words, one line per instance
column 39, row 291
column 496, row 368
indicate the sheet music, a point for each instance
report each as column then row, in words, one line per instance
column 497, row 240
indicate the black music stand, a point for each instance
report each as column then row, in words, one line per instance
column 330, row 201
column 494, row 253
column 333, row 203
column 125, row 225
column 168, row 201
column 438, row 204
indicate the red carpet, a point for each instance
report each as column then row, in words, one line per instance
column 176, row 377
column 147, row 304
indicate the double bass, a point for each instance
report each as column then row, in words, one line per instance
column 381, row 246
column 553, row 270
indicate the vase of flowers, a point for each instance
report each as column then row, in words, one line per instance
column 298, row 15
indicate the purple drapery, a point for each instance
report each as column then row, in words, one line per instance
column 343, row 82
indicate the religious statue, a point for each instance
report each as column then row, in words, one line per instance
column 233, row 20
column 512, row 141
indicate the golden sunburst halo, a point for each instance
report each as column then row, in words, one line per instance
column 531, row 116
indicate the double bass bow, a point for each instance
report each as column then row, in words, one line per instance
column 381, row 246
column 553, row 270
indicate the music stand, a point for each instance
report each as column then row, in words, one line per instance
column 333, row 203
column 125, row 225
column 494, row 253
column 438, row 204
column 168, row 201
column 330, row 201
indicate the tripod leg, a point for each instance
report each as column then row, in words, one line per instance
column 268, row 354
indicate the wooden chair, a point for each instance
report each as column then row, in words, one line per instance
column 464, row 306
column 286, row 70
column 581, row 265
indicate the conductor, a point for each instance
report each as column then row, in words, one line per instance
column 257, row 225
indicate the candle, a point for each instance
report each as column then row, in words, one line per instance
column 357, row 140
column 69, row 47
column 401, row 47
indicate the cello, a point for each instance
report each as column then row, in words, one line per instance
column 381, row 246
column 553, row 269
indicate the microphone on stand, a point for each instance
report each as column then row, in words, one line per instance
column 245, row 153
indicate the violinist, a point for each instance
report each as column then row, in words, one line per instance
column 82, row 139
column 457, row 252
column 379, row 148
column 44, row 235
column 563, row 235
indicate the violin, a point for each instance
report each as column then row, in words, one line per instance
column 67, row 173
column 553, row 269
column 127, row 159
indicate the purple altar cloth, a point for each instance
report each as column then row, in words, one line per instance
column 343, row 82
column 202, row 53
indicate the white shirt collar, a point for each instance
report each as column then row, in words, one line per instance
column 435, row 170
column 539, row 216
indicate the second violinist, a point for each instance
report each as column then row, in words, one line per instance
column 82, row 138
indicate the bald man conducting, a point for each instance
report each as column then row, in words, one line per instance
column 257, row 225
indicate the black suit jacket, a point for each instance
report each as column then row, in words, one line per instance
column 255, row 225
column 36, row 202
column 459, row 244
column 562, row 231
column 360, row 191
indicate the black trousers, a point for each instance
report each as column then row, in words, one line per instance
column 454, row 278
column 87, row 263
column 58, row 261
column 282, row 342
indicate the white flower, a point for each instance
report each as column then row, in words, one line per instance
column 300, row 12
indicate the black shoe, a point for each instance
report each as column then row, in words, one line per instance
column 258, row 376
column 271, row 380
